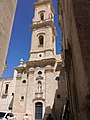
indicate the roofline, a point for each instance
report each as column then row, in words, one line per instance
column 6, row 78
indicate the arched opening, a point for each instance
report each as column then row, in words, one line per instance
column 41, row 40
column 42, row 16
column 38, row 110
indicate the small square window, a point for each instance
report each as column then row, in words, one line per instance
column 58, row 96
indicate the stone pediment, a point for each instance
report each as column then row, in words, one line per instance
column 39, row 78
column 40, row 98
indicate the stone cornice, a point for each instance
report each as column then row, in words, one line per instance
column 49, row 68
column 40, row 98
column 6, row 79
column 41, row 62
column 39, row 78
column 39, row 3
column 20, row 69
column 44, row 23
column 31, row 70
column 35, row 51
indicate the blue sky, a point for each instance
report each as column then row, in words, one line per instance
column 20, row 41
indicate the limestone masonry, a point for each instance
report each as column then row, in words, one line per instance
column 34, row 88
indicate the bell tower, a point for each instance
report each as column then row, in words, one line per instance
column 35, row 80
column 43, row 31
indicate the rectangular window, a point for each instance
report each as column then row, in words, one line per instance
column 38, row 111
column 6, row 88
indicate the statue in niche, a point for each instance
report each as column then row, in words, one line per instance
column 39, row 87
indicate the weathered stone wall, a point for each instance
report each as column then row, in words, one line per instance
column 82, row 19
column 7, row 12
column 6, row 98
column 75, row 29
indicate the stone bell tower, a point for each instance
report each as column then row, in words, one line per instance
column 43, row 31
column 35, row 80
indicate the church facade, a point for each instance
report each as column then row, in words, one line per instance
column 34, row 85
